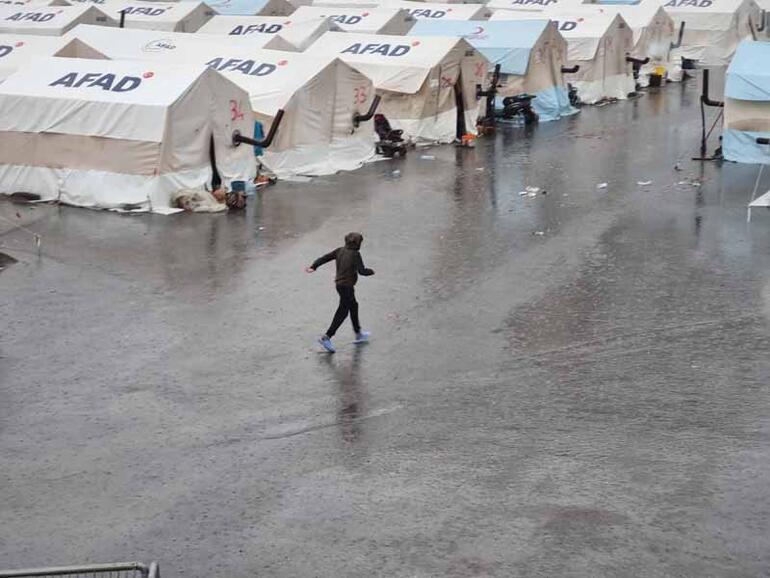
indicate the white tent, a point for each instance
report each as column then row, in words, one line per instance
column 421, row 79
column 712, row 31
column 530, row 5
column 102, row 133
column 274, row 32
column 185, row 16
column 50, row 21
column 530, row 53
column 33, row 3
column 747, row 106
column 652, row 28
column 252, row 7
column 362, row 20
column 598, row 43
column 17, row 50
column 419, row 10
column 320, row 96
column 441, row 11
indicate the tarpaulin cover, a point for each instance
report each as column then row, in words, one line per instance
column 505, row 43
column 748, row 76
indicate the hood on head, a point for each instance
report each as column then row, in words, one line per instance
column 353, row 241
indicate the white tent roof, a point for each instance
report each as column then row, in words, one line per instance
column 270, row 77
column 351, row 19
column 275, row 32
column 16, row 50
column 637, row 16
column 529, row 5
column 184, row 16
column 50, row 21
column 115, row 89
column 395, row 63
column 710, row 15
column 253, row 7
column 245, row 25
column 441, row 11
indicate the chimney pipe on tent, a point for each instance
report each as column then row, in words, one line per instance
column 123, row 18
column 570, row 69
column 359, row 118
column 238, row 138
column 705, row 100
column 678, row 42
column 762, row 21
column 488, row 122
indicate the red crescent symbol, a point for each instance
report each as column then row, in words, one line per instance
column 148, row 75
column 416, row 43
column 19, row 44
column 283, row 62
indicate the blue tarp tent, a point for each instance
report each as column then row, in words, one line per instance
column 747, row 104
column 514, row 44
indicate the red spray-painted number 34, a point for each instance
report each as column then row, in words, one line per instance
column 359, row 95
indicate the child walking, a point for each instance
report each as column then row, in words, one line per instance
column 349, row 266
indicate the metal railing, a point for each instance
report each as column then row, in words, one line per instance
column 117, row 570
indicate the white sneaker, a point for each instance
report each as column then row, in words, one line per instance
column 362, row 337
column 327, row 343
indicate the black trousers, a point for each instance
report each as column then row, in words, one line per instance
column 348, row 304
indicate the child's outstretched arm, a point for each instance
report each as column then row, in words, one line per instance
column 363, row 271
column 321, row 260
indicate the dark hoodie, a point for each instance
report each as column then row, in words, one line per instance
column 349, row 262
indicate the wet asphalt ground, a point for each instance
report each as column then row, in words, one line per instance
column 571, row 384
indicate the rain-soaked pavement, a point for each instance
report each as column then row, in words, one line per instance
column 592, row 401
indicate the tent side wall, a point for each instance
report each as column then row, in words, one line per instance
column 317, row 136
column 745, row 121
column 607, row 74
column 80, row 169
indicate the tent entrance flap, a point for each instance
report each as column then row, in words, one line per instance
column 460, row 107
column 216, row 178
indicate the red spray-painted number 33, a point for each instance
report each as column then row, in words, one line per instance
column 359, row 95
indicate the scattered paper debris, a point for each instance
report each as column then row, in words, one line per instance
column 539, row 233
column 428, row 157
column 601, row 186
column 533, row 189
column 396, row 173
column 643, row 183
column 522, row 193
column 480, row 169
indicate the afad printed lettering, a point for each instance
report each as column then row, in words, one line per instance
column 32, row 16
column 256, row 28
column 384, row 49
column 533, row 2
column 249, row 67
column 688, row 4
column 426, row 13
column 106, row 81
column 143, row 11
column 565, row 26
column 346, row 19
column 5, row 50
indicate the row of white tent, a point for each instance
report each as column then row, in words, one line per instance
column 225, row 83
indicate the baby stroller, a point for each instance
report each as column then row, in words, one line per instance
column 391, row 142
